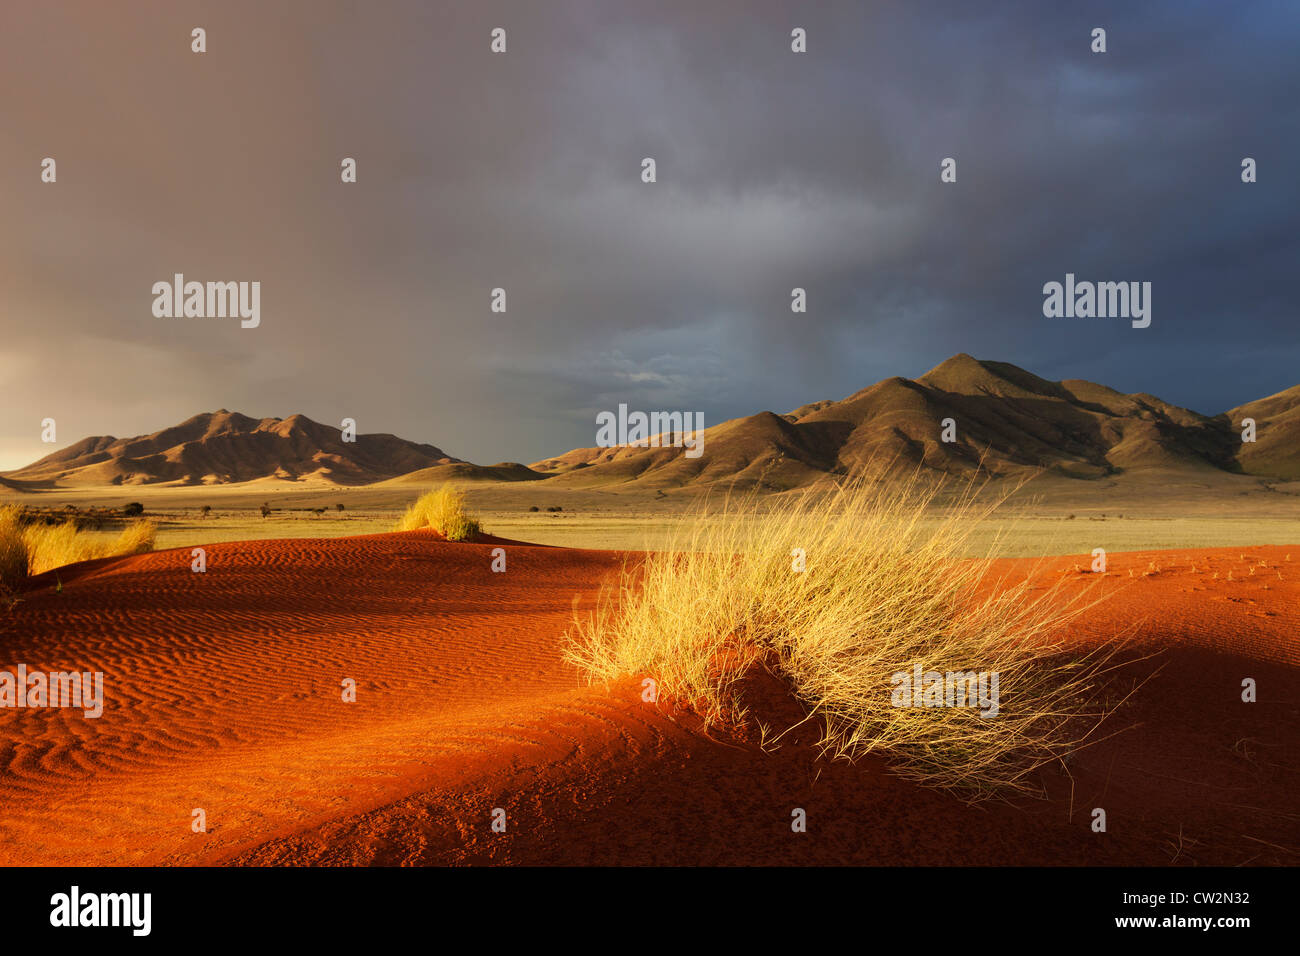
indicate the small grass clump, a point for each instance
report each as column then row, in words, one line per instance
column 31, row 549
column 136, row 538
column 13, row 550
column 837, row 593
column 443, row 510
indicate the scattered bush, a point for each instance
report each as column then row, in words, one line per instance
column 443, row 510
column 534, row 508
column 133, row 510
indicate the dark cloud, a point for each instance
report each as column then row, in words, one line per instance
column 522, row 171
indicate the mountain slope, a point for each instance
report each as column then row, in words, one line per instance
column 1007, row 422
column 1276, row 448
column 223, row 447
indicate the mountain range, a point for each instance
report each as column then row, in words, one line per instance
column 1007, row 422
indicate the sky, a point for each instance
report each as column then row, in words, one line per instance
column 522, row 170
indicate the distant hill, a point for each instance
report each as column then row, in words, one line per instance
column 1275, row 453
column 224, row 447
column 1008, row 422
column 461, row 471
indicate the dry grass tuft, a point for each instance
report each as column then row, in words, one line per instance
column 13, row 550
column 27, row 550
column 136, row 538
column 443, row 510
column 883, row 591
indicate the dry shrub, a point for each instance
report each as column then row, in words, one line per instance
column 136, row 538
column 13, row 550
column 887, row 586
column 443, row 510
column 27, row 550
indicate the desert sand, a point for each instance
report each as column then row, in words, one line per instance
column 224, row 693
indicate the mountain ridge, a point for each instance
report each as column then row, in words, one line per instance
column 224, row 447
column 1006, row 422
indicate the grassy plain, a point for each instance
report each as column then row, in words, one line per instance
column 1048, row 516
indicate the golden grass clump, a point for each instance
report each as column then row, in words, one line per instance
column 136, row 538
column 886, row 585
column 443, row 510
column 27, row 550
column 13, row 550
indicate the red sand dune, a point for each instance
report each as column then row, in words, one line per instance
column 223, row 693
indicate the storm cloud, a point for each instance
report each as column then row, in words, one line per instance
column 522, row 171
